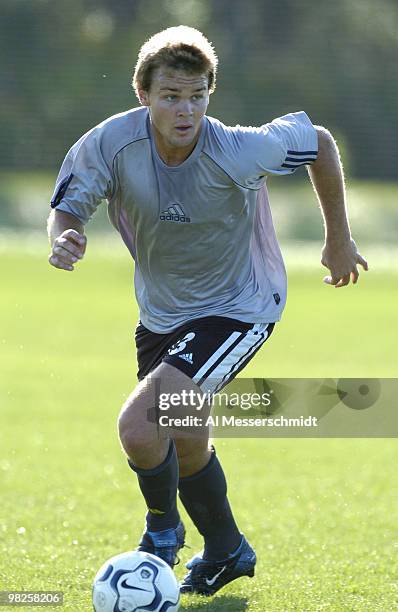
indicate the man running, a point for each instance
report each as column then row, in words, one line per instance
column 188, row 196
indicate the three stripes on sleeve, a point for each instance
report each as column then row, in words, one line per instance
column 295, row 159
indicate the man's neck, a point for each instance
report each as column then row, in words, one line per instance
column 173, row 156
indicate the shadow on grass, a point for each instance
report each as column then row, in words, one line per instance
column 221, row 604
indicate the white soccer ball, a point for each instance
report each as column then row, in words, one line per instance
column 133, row 582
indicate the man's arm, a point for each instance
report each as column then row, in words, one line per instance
column 67, row 240
column 339, row 254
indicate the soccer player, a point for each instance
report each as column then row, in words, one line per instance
column 188, row 196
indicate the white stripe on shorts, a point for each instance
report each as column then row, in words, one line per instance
column 251, row 340
column 238, row 357
column 219, row 352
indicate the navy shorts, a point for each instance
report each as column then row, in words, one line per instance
column 211, row 350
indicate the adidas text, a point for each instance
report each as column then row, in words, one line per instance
column 174, row 213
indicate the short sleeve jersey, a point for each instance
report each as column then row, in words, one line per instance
column 201, row 233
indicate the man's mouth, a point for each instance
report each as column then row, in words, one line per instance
column 183, row 129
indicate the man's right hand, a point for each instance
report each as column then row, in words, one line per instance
column 67, row 250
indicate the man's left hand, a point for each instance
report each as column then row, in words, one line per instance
column 342, row 259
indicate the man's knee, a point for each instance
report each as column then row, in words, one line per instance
column 136, row 431
column 129, row 435
column 143, row 447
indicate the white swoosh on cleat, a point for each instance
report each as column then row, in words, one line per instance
column 211, row 581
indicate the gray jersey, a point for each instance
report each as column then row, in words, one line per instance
column 200, row 233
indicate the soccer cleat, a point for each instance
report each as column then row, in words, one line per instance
column 208, row 577
column 164, row 544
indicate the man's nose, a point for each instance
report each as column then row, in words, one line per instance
column 185, row 107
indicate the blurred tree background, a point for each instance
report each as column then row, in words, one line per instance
column 67, row 65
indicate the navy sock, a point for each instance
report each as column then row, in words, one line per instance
column 204, row 496
column 159, row 488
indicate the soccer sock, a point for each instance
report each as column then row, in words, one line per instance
column 204, row 496
column 159, row 488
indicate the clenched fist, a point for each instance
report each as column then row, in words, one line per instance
column 68, row 249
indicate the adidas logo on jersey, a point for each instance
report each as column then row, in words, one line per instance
column 174, row 213
column 187, row 357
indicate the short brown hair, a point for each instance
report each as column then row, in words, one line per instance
column 180, row 48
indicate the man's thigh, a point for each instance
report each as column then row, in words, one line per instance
column 210, row 351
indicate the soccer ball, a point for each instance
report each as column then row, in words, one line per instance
column 133, row 582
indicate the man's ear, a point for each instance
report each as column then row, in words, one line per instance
column 143, row 97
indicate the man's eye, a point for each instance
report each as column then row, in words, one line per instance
column 170, row 98
column 197, row 97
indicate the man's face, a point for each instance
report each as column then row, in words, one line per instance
column 177, row 102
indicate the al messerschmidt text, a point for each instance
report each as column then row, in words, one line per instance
column 233, row 421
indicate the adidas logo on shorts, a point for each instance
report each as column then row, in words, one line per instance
column 174, row 213
column 186, row 357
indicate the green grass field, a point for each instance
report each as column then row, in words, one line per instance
column 322, row 514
